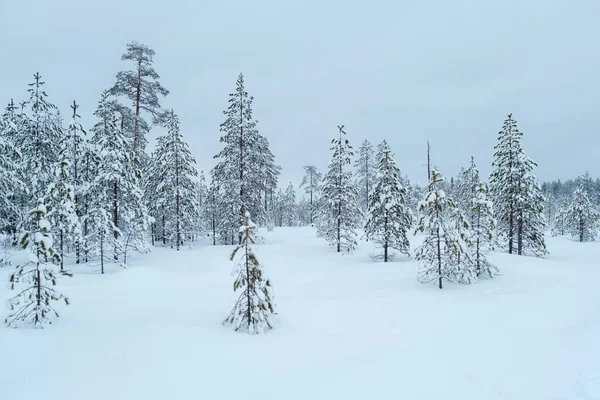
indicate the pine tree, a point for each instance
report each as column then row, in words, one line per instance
column 32, row 304
column 443, row 245
column 245, row 156
column 101, row 239
column 76, row 146
column 11, row 173
column 582, row 219
column 118, row 174
column 290, row 212
column 264, row 160
column 254, row 306
column 484, row 230
column 176, row 189
column 310, row 183
column 560, row 223
column 388, row 217
column 39, row 141
column 366, row 173
column 518, row 201
column 61, row 202
column 466, row 190
column 210, row 210
column 339, row 214
column 140, row 85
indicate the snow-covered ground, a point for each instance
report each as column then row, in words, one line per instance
column 348, row 328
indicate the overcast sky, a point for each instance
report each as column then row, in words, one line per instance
column 407, row 72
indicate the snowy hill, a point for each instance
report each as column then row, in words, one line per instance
column 347, row 328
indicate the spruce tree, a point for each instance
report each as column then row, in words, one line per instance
column 442, row 245
column 255, row 305
column 518, row 201
column 339, row 214
column 388, row 216
column 39, row 274
column 581, row 217
column 366, row 173
column 310, row 183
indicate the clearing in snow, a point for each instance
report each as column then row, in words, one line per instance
column 347, row 328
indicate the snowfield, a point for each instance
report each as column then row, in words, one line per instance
column 347, row 328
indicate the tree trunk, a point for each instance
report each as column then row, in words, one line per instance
column 102, row 251
column 248, row 283
column 580, row 227
column 520, row 233
column 439, row 257
column 115, row 219
column 385, row 243
column 62, row 250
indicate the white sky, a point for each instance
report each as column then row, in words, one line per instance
column 407, row 72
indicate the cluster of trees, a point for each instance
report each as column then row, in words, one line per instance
column 98, row 195
column 68, row 192
column 462, row 220
column 573, row 207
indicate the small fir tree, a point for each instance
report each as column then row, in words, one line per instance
column 388, row 217
column 442, row 246
column 254, row 306
column 339, row 214
column 39, row 275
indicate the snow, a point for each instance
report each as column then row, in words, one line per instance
column 347, row 328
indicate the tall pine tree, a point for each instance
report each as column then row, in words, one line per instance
column 517, row 197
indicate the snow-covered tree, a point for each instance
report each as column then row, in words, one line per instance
column 255, row 305
column 175, row 190
column 339, row 214
column 140, row 85
column 38, row 275
column 465, row 190
column 245, row 163
column 77, row 148
column 582, row 218
column 311, row 184
column 516, row 194
column 290, row 211
column 11, row 174
column 388, row 217
column 118, row 174
column 366, row 171
column 101, row 238
column 442, row 245
column 263, row 161
column 39, row 140
column 484, row 233
column 560, row 223
column 61, row 204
